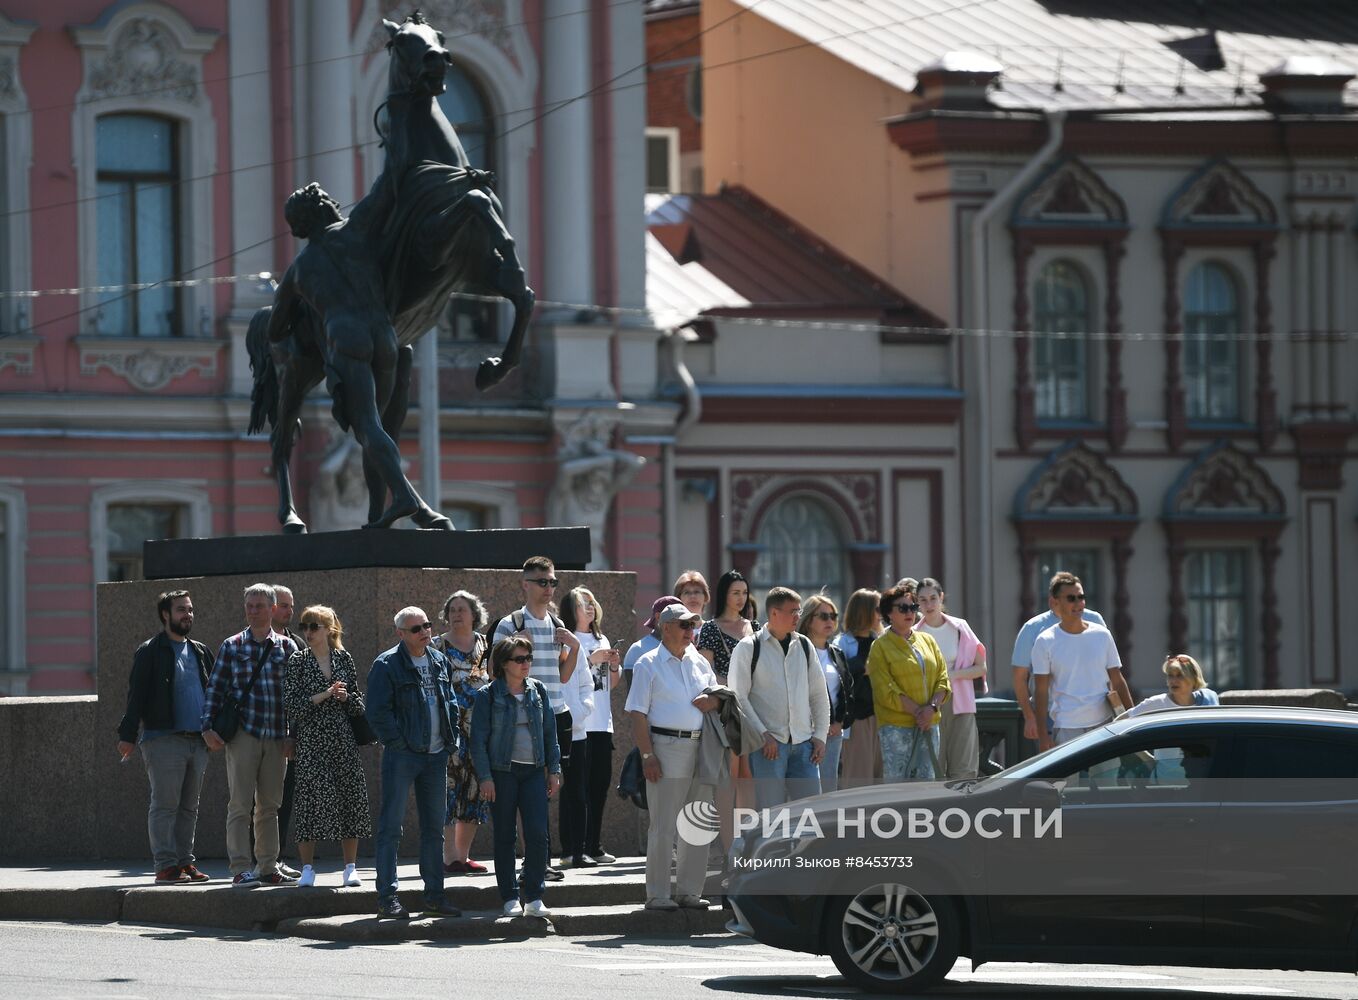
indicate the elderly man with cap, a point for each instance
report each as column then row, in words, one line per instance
column 649, row 641
column 667, row 705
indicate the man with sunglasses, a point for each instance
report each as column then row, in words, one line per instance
column 412, row 710
column 667, row 703
column 1075, row 664
column 1021, row 662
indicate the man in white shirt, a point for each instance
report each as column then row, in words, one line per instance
column 784, row 696
column 1075, row 664
column 1021, row 662
column 667, row 705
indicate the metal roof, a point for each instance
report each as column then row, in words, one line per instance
column 1081, row 53
column 731, row 251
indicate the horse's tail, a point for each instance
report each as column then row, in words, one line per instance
column 264, row 395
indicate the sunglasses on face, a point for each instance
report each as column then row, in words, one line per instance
column 544, row 582
column 311, row 626
column 522, row 658
column 908, row 609
column 1074, row 598
column 419, row 628
column 827, row 616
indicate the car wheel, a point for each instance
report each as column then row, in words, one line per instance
column 891, row 939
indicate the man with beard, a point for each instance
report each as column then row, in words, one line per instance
column 165, row 703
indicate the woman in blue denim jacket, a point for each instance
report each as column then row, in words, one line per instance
column 518, row 764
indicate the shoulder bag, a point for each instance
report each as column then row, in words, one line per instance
column 226, row 723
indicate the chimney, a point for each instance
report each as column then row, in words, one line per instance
column 1308, row 85
column 957, row 81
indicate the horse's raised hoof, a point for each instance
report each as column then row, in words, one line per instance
column 294, row 525
column 427, row 517
column 394, row 513
column 491, row 372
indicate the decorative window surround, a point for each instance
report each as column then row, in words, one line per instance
column 148, row 363
column 19, row 353
column 502, row 501
column 1069, row 205
column 191, row 493
column 13, row 508
column 16, row 134
column 1076, row 495
column 1218, row 206
column 1223, row 495
column 145, row 58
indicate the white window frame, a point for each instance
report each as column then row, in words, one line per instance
column 671, row 137
column 1091, row 289
column 1247, row 601
column 16, row 159
column 494, row 498
column 14, row 509
column 99, row 95
column 194, row 498
column 1240, row 289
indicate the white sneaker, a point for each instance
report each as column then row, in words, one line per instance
column 307, row 878
column 512, row 908
column 351, row 876
column 536, row 908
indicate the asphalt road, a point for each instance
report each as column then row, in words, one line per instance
column 43, row 961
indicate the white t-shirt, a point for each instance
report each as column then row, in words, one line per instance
column 946, row 636
column 1078, row 665
column 832, row 679
column 1035, row 626
column 664, row 686
column 601, row 718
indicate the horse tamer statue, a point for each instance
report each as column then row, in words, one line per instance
column 366, row 287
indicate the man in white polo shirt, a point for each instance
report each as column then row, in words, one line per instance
column 667, row 705
column 1075, row 664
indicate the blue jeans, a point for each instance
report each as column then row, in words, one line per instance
column 829, row 766
column 520, row 792
column 428, row 772
column 897, row 744
column 790, row 775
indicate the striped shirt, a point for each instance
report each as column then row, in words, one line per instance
column 262, row 712
column 546, row 653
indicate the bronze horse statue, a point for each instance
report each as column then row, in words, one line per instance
column 365, row 288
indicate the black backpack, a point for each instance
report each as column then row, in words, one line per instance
column 860, row 697
column 754, row 655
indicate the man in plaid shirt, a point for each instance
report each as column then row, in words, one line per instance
column 254, row 758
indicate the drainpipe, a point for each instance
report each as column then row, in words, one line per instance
column 674, row 340
column 980, row 314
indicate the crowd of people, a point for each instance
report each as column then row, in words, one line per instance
column 486, row 720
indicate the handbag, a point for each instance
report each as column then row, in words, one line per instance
column 226, row 723
column 631, row 780
column 363, row 733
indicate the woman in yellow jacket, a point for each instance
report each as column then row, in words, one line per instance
column 909, row 683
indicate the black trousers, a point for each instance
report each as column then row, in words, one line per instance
column 599, row 782
column 574, row 800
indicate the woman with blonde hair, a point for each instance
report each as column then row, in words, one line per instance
column 861, row 754
column 320, row 694
column 466, row 648
column 1187, row 687
column 820, row 621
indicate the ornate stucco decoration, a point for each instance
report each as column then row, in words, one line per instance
column 590, row 473
column 18, row 353
column 1223, row 483
column 1075, row 481
column 148, row 365
column 144, row 49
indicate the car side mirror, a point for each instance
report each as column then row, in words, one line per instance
column 1041, row 795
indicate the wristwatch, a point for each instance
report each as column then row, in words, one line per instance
column 646, row 756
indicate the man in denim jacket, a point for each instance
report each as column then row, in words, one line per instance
column 411, row 709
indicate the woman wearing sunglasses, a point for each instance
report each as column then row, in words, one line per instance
column 321, row 692
column 909, row 684
column 518, row 763
column 1187, row 687
column 820, row 621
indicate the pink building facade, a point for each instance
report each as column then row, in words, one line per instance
column 148, row 141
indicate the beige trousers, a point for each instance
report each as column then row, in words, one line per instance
column 860, row 758
column 254, row 777
column 959, row 747
column 666, row 798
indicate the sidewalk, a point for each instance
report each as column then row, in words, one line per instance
column 604, row 900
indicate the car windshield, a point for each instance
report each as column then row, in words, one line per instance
column 1031, row 767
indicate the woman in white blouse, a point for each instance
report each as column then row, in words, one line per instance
column 582, row 614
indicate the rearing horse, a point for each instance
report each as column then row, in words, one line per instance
column 437, row 229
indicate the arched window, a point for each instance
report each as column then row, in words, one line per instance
column 1061, row 363
column 1211, row 344
column 801, row 547
column 137, row 223
column 465, row 104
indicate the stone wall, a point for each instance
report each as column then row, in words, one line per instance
column 64, row 792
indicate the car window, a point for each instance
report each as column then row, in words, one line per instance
column 1297, row 757
column 1163, row 763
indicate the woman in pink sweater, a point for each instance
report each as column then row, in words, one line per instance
column 959, row 750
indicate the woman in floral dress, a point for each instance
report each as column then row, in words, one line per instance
column 464, row 615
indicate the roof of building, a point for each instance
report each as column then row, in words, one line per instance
column 732, row 252
column 1084, row 53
